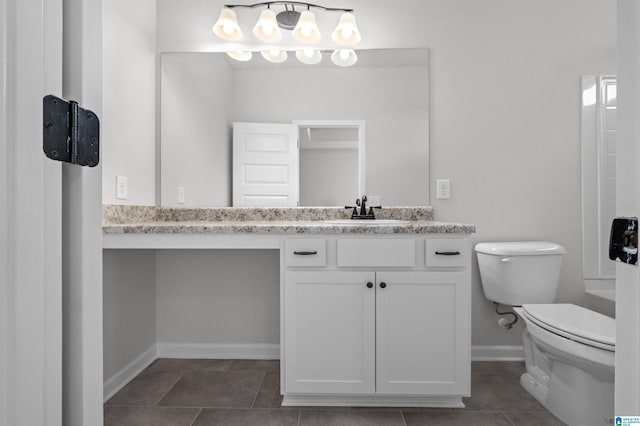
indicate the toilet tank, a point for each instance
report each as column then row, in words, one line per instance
column 514, row 273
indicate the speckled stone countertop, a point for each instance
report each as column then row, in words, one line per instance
column 119, row 219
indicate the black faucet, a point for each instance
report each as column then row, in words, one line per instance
column 363, row 214
column 363, row 206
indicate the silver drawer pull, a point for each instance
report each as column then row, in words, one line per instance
column 448, row 253
column 305, row 253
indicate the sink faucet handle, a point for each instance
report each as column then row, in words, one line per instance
column 355, row 210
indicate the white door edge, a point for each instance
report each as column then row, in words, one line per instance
column 81, row 226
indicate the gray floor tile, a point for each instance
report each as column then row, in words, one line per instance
column 533, row 419
column 246, row 417
column 146, row 389
column 149, row 416
column 499, row 392
column 457, row 418
column 255, row 364
column 269, row 394
column 515, row 368
column 215, row 389
column 350, row 418
column 163, row 364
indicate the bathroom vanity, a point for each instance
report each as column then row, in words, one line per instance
column 375, row 319
column 371, row 314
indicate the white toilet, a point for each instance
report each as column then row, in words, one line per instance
column 569, row 350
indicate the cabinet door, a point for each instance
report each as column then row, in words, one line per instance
column 423, row 329
column 329, row 332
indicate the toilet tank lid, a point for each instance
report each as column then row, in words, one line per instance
column 520, row 248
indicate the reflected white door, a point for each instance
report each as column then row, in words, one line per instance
column 265, row 165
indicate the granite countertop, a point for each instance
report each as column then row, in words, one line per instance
column 226, row 220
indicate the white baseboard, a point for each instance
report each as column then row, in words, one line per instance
column 497, row 353
column 116, row 382
column 314, row 400
column 219, row 351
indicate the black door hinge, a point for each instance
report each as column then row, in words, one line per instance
column 70, row 134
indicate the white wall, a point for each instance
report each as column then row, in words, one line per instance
column 195, row 130
column 505, row 128
column 129, row 293
column 339, row 171
column 129, row 105
column 218, row 296
column 504, row 120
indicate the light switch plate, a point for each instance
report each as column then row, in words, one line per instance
column 181, row 195
column 122, row 187
column 443, row 189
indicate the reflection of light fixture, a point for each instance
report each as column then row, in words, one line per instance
column 227, row 27
column 240, row 55
column 302, row 24
column 274, row 55
column 344, row 57
column 309, row 55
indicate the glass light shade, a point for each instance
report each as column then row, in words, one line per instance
column 309, row 56
column 344, row 57
column 240, row 55
column 226, row 26
column 275, row 55
column 266, row 29
column 346, row 33
column 306, row 31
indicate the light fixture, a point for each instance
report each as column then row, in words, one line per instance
column 344, row 57
column 346, row 33
column 240, row 55
column 274, row 55
column 302, row 24
column 266, row 29
column 226, row 26
column 309, row 55
column 306, row 31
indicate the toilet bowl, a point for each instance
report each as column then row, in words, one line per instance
column 569, row 350
column 569, row 357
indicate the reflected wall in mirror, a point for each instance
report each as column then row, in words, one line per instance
column 203, row 94
column 305, row 163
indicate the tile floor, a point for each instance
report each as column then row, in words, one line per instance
column 188, row 392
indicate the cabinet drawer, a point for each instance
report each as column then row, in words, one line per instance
column 447, row 252
column 376, row 252
column 305, row 252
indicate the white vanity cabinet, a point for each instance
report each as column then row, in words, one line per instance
column 376, row 320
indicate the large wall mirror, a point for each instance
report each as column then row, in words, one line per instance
column 202, row 95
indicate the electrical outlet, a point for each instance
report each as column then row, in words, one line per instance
column 443, row 189
column 181, row 195
column 122, row 187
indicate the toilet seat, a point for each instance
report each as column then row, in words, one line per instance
column 574, row 323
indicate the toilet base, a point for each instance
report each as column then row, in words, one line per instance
column 575, row 395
